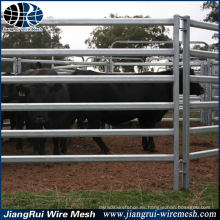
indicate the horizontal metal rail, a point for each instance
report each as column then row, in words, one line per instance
column 154, row 42
column 204, row 79
column 207, row 104
column 100, row 63
column 139, row 42
column 214, row 62
column 66, row 70
column 193, row 63
column 85, row 133
column 62, row 62
column 142, row 64
column 215, row 98
column 203, row 25
column 202, row 154
column 87, row 52
column 107, row 21
column 69, row 67
column 203, row 129
column 215, row 86
column 152, row 64
column 204, row 54
column 108, row 106
column 215, row 119
column 88, row 79
column 88, row 158
column 105, row 106
column 8, row 59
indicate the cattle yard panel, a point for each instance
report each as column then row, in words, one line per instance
column 187, row 130
column 137, row 132
column 117, row 52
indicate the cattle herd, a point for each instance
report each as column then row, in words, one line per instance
column 85, row 92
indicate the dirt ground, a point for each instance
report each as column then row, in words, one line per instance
column 105, row 176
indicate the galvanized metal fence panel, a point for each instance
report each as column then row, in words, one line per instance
column 187, row 104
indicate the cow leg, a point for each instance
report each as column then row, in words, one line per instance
column 63, row 145
column 102, row 145
column 35, row 145
column 41, row 146
column 148, row 145
column 151, row 145
column 38, row 145
column 56, row 150
column 93, row 125
column 19, row 146
column 145, row 143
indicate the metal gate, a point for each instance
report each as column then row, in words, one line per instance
column 174, row 106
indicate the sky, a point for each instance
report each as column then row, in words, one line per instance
column 75, row 36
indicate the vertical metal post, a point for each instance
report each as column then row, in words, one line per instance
column 176, row 102
column 111, row 67
column 213, row 92
column 15, row 65
column 106, row 67
column 19, row 65
column 209, row 93
column 52, row 64
column 186, row 99
column 202, row 111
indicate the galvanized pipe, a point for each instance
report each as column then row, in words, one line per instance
column 88, row 79
column 7, row 59
column 204, row 79
column 69, row 67
column 203, row 129
column 203, row 54
column 202, row 154
column 176, row 103
column 86, row 52
column 108, row 106
column 215, row 98
column 88, row 158
column 186, row 94
column 106, row 21
column 203, row 25
column 62, row 62
column 65, row 133
column 200, row 105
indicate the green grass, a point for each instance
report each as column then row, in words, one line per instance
column 203, row 196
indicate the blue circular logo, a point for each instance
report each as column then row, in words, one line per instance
column 23, row 15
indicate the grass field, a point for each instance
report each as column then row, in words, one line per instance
column 205, row 196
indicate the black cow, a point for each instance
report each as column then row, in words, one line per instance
column 10, row 95
column 122, row 92
column 46, row 93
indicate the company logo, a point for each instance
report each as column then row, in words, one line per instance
column 23, row 15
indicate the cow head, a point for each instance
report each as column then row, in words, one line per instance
column 36, row 93
column 195, row 88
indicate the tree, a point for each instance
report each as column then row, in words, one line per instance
column 103, row 37
column 48, row 38
column 212, row 16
